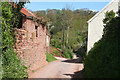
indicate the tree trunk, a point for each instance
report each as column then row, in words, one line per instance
column 63, row 39
column 68, row 27
column 67, row 34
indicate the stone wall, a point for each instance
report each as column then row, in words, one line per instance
column 32, row 44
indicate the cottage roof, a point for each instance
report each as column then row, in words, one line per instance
column 101, row 11
column 31, row 15
column 27, row 12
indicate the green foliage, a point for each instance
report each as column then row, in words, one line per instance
column 83, row 53
column 68, row 54
column 57, row 40
column 61, row 19
column 11, row 64
column 109, row 16
column 0, row 68
column 50, row 57
column 56, row 53
column 79, row 18
column 102, row 60
column 0, row 41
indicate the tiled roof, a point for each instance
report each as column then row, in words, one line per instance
column 27, row 12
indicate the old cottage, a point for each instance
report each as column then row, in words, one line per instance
column 95, row 24
column 32, row 40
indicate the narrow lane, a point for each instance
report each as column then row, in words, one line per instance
column 59, row 69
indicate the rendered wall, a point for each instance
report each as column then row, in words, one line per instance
column 95, row 26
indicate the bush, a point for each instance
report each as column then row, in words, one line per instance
column 12, row 66
column 56, row 53
column 50, row 57
column 68, row 54
column 102, row 60
column 0, row 68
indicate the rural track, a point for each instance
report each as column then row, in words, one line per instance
column 62, row 68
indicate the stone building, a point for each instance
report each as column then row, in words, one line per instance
column 32, row 40
column 95, row 24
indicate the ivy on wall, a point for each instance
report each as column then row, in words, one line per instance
column 11, row 63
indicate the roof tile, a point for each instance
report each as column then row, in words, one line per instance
column 27, row 12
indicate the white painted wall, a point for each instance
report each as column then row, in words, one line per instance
column 95, row 25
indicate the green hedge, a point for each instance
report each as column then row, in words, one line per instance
column 0, row 68
column 102, row 60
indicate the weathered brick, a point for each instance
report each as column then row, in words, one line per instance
column 32, row 45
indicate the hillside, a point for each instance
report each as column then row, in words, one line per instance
column 68, row 28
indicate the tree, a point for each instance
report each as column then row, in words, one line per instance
column 67, row 19
column 67, row 16
column 69, row 25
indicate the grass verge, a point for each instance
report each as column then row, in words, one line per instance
column 50, row 57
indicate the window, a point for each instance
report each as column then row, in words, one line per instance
column 36, row 27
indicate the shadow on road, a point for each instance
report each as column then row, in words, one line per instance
column 78, row 60
column 77, row 75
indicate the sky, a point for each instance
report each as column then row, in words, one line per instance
column 95, row 6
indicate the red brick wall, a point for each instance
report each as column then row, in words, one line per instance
column 32, row 49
